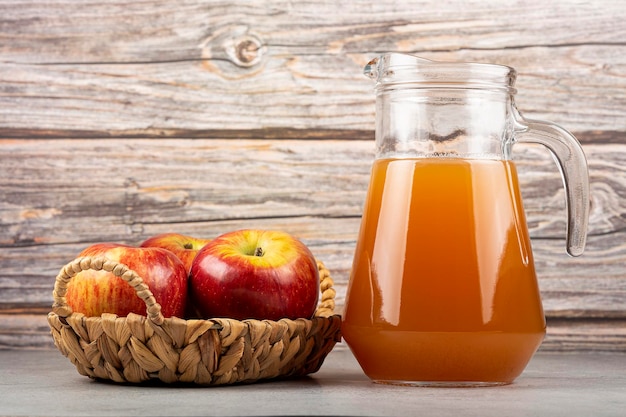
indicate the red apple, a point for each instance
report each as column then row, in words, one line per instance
column 95, row 292
column 255, row 274
column 183, row 246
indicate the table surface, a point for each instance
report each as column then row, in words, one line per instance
column 44, row 383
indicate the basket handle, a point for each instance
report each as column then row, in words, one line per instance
column 99, row 263
column 326, row 305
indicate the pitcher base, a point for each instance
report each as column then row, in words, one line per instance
column 443, row 384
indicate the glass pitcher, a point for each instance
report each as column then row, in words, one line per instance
column 443, row 288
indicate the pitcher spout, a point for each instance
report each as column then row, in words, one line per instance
column 392, row 61
column 371, row 69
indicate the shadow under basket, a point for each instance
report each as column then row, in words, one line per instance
column 137, row 349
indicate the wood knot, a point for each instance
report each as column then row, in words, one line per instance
column 246, row 51
column 233, row 46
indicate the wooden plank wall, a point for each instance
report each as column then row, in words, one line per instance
column 119, row 120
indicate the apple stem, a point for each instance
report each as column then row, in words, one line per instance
column 258, row 251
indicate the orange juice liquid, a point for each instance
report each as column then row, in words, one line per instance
column 443, row 287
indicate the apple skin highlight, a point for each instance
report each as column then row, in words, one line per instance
column 255, row 274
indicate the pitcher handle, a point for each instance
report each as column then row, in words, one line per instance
column 570, row 158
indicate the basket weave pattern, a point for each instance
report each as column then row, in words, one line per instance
column 138, row 348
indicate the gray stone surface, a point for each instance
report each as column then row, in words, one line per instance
column 44, row 383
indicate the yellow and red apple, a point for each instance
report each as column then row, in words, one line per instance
column 95, row 292
column 183, row 246
column 258, row 274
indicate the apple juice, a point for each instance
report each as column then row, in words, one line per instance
column 443, row 286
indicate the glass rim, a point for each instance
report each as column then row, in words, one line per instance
column 397, row 69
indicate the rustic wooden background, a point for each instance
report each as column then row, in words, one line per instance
column 119, row 120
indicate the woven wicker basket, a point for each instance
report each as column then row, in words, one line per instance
column 136, row 349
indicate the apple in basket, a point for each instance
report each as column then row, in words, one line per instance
column 257, row 274
column 183, row 246
column 95, row 292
